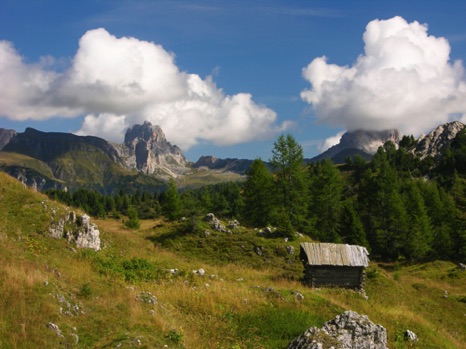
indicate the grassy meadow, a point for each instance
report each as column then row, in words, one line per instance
column 128, row 296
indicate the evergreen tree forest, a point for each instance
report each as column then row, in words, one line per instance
column 396, row 205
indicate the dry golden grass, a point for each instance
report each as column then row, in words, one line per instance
column 231, row 306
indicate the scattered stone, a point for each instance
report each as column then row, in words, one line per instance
column 462, row 266
column 259, row 250
column 268, row 230
column 199, row 272
column 147, row 297
column 299, row 297
column 215, row 223
column 410, row 336
column 206, row 233
column 55, row 329
column 173, row 271
column 234, row 224
column 46, row 283
column 290, row 249
column 445, row 294
column 347, row 331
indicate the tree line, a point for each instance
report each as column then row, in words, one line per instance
column 396, row 204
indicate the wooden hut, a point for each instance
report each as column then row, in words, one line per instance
column 334, row 265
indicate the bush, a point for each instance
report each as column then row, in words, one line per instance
column 85, row 291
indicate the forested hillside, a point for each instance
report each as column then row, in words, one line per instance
column 397, row 205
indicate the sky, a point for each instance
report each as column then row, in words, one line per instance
column 226, row 78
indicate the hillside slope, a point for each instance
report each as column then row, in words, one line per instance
column 140, row 290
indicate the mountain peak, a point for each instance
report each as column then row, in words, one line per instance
column 359, row 142
column 146, row 132
column 437, row 140
column 147, row 149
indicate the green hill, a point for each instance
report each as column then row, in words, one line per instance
column 128, row 296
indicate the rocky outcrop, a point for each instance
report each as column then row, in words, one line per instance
column 347, row 331
column 146, row 149
column 435, row 143
column 215, row 223
column 78, row 230
column 6, row 136
column 360, row 142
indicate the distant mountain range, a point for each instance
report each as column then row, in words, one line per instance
column 146, row 160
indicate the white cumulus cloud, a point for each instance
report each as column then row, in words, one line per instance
column 117, row 82
column 404, row 79
column 330, row 141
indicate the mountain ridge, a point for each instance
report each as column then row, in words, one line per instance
column 146, row 158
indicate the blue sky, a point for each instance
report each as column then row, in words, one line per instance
column 225, row 78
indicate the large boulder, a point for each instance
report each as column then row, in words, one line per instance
column 75, row 229
column 347, row 331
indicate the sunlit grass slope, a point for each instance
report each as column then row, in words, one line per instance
column 126, row 295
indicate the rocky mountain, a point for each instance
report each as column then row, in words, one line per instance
column 146, row 149
column 63, row 160
column 6, row 136
column 239, row 166
column 435, row 143
column 362, row 142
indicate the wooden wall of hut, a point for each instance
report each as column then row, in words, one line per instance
column 335, row 276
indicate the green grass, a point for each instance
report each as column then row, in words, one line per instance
column 243, row 301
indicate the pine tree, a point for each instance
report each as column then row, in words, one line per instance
column 171, row 204
column 258, row 195
column 290, row 180
column 351, row 228
column 326, row 188
column 419, row 236
column 382, row 209
column 133, row 219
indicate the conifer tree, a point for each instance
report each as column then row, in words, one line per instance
column 351, row 228
column 171, row 204
column 326, row 188
column 258, row 195
column 419, row 236
column 290, row 180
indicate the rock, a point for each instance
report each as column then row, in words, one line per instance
column 410, row 336
column 88, row 236
column 259, row 250
column 146, row 149
column 299, row 297
column 199, row 272
column 437, row 141
column 215, row 222
column 462, row 266
column 147, row 297
column 81, row 231
column 55, row 329
column 290, row 249
column 234, row 224
column 347, row 331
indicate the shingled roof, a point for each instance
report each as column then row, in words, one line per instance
column 335, row 254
